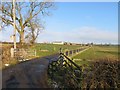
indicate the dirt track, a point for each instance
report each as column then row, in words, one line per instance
column 29, row 74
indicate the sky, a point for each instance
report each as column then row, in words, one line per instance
column 79, row 22
column 82, row 23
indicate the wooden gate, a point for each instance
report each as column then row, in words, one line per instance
column 64, row 73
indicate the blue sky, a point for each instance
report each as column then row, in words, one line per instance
column 80, row 22
column 83, row 22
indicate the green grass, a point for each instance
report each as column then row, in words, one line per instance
column 82, row 63
column 52, row 48
column 99, row 52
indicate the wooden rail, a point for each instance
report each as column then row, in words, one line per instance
column 64, row 72
column 71, row 61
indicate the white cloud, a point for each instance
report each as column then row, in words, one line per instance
column 83, row 34
column 94, row 33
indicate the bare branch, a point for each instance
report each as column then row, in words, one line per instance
column 26, row 12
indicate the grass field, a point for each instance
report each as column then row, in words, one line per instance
column 49, row 49
column 94, row 53
column 41, row 50
column 97, row 53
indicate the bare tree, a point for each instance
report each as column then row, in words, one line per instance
column 35, row 26
column 25, row 13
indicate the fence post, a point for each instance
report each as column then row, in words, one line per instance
column 12, row 52
column 67, row 53
column 72, row 53
column 35, row 52
column 60, row 50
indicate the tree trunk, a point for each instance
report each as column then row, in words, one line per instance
column 22, row 39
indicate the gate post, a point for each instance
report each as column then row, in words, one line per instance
column 12, row 52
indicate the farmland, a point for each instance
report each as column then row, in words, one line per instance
column 97, row 53
column 99, row 73
column 99, row 67
column 94, row 53
column 41, row 51
column 48, row 49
